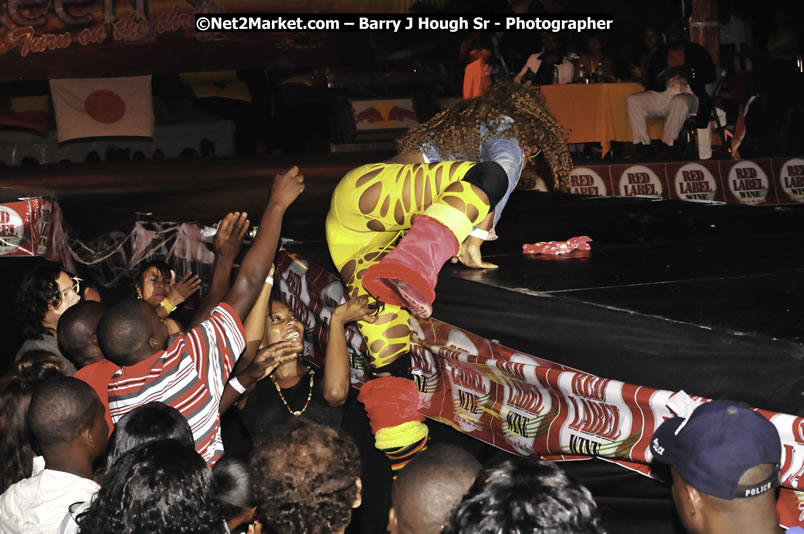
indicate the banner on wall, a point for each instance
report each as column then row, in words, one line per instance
column 521, row 403
column 87, row 38
column 743, row 182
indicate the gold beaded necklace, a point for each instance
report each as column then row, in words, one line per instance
column 285, row 402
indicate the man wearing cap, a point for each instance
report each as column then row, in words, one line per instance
column 724, row 459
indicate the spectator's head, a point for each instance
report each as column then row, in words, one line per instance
column 16, row 448
column 306, row 479
column 429, row 487
column 525, row 496
column 36, row 364
column 551, row 43
column 281, row 324
column 724, row 460
column 650, row 38
column 594, row 44
column 68, row 422
column 153, row 282
column 130, row 331
column 156, row 488
column 45, row 293
column 154, row 421
column 78, row 333
column 231, row 482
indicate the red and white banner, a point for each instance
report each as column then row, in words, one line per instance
column 745, row 182
column 102, row 107
column 518, row 402
column 30, row 228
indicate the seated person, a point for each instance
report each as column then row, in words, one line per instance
column 45, row 293
column 428, row 489
column 189, row 371
column 538, row 69
column 66, row 419
column 676, row 84
column 651, row 46
column 592, row 58
column 306, row 479
column 155, row 488
column 724, row 459
column 525, row 496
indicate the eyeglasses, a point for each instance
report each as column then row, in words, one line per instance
column 75, row 288
column 538, row 151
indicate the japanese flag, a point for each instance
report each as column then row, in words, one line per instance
column 99, row 107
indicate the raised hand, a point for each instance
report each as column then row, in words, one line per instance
column 230, row 234
column 272, row 356
column 181, row 290
column 287, row 187
column 356, row 309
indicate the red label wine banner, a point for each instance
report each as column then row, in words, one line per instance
column 518, row 402
column 745, row 182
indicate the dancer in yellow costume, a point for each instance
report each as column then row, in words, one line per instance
column 390, row 229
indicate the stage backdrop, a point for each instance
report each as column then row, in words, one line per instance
column 40, row 39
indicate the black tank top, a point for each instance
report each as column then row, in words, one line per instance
column 265, row 411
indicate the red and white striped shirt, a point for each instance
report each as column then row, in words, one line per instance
column 189, row 376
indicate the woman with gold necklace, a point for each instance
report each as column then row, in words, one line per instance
column 295, row 388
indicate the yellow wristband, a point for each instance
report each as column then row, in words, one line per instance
column 167, row 305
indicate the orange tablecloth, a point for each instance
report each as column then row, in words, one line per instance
column 596, row 112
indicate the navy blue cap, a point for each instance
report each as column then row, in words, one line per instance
column 716, row 445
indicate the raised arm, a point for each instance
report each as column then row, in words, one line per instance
column 336, row 364
column 227, row 243
column 260, row 256
column 254, row 324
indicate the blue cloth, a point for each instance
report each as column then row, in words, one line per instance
column 795, row 530
column 503, row 150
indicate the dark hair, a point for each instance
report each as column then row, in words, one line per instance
column 61, row 409
column 37, row 364
column 525, row 496
column 160, row 487
column 123, row 330
column 16, row 447
column 303, row 477
column 154, row 421
column 37, row 290
column 162, row 266
column 231, row 483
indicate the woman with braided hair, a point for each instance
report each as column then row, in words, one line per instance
column 393, row 225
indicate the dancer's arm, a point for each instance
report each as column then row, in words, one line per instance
column 336, row 364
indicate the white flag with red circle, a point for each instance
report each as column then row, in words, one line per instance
column 102, row 107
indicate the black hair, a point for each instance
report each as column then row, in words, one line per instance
column 76, row 326
column 154, row 421
column 430, row 486
column 162, row 266
column 231, row 483
column 61, row 409
column 123, row 331
column 304, row 478
column 525, row 496
column 38, row 364
column 159, row 487
column 37, row 291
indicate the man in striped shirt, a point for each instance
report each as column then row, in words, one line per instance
column 189, row 371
